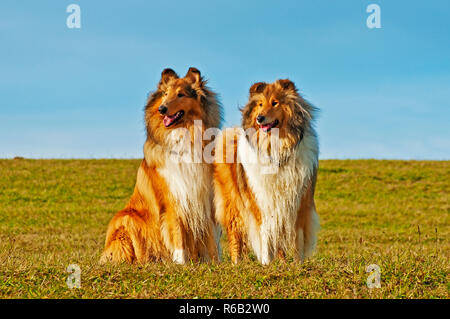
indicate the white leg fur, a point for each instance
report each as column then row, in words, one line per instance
column 300, row 245
column 265, row 249
column 179, row 256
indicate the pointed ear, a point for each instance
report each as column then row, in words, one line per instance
column 167, row 75
column 287, row 84
column 257, row 88
column 194, row 75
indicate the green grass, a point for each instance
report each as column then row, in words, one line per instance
column 392, row 213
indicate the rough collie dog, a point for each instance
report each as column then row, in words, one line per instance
column 272, row 211
column 170, row 214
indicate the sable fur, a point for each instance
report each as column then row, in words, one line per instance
column 170, row 214
column 274, row 214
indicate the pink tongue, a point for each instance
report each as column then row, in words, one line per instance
column 266, row 127
column 168, row 120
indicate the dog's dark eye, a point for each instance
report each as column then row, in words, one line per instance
column 180, row 94
column 260, row 104
column 274, row 103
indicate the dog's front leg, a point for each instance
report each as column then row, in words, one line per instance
column 179, row 252
column 266, row 256
column 174, row 236
column 179, row 256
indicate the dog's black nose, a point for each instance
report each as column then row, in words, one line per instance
column 162, row 109
column 260, row 119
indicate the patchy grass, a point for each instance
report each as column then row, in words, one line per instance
column 391, row 213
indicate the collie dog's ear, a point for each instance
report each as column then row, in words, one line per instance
column 194, row 75
column 167, row 75
column 257, row 87
column 287, row 84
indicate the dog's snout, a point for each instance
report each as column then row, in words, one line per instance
column 260, row 119
column 162, row 109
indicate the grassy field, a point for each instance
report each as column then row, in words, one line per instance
column 391, row 213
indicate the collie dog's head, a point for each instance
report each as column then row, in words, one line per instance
column 178, row 102
column 278, row 106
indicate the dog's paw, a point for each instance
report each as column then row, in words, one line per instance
column 179, row 257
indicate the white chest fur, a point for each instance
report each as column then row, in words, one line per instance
column 190, row 185
column 278, row 193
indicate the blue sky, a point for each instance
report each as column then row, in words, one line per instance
column 80, row 93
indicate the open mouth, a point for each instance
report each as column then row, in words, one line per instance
column 267, row 127
column 172, row 119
